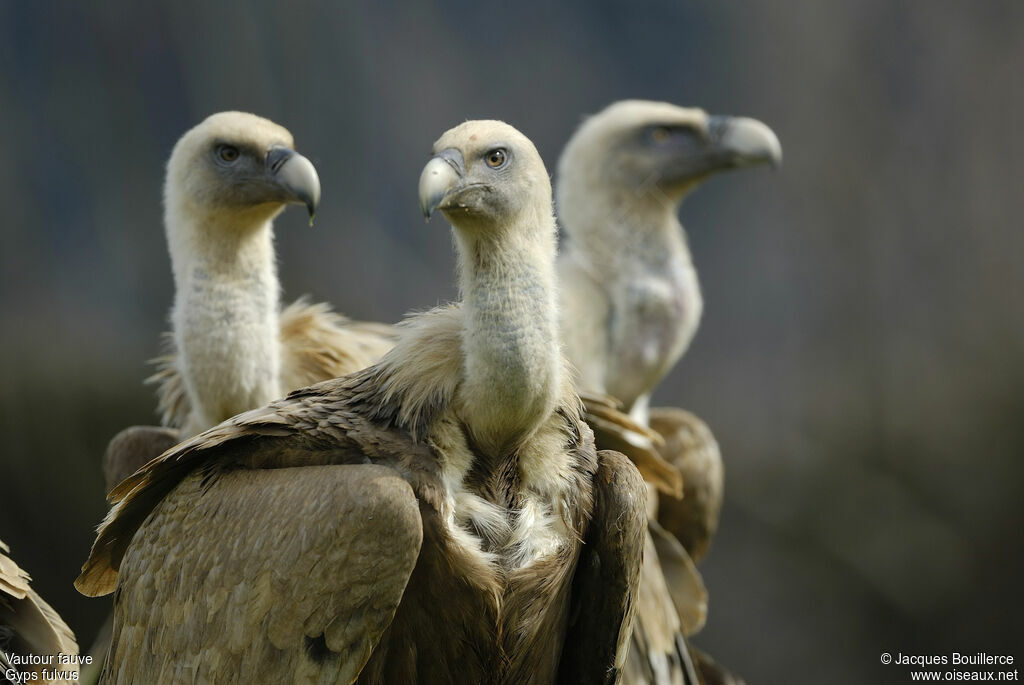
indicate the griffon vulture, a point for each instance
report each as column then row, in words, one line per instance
column 34, row 640
column 631, row 304
column 231, row 348
column 441, row 516
column 631, row 301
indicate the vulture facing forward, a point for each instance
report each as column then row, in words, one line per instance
column 631, row 303
column 231, row 348
column 30, row 626
column 441, row 516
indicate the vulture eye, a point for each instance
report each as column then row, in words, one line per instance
column 496, row 158
column 660, row 134
column 227, row 153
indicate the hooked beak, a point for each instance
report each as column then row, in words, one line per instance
column 744, row 141
column 440, row 179
column 296, row 175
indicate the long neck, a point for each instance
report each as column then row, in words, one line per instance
column 633, row 250
column 510, row 337
column 623, row 232
column 225, row 316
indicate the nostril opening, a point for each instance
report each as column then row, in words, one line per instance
column 277, row 156
column 717, row 126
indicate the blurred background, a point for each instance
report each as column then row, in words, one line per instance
column 861, row 356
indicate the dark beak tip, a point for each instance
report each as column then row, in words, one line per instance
column 310, row 203
column 430, row 207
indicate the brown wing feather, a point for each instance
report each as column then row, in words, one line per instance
column 610, row 409
column 691, row 448
column 326, row 423
column 683, row 581
column 607, row 576
column 615, row 430
column 659, row 653
column 133, row 448
column 270, row 575
column 285, row 433
column 28, row 624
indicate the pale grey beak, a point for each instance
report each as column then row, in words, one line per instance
column 296, row 175
column 747, row 141
column 442, row 174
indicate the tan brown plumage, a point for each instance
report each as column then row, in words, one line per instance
column 616, row 430
column 133, row 447
column 690, row 447
column 441, row 516
column 30, row 626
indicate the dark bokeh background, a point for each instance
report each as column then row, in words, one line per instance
column 862, row 350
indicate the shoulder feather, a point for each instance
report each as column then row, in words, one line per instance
column 317, row 343
column 419, row 377
column 309, row 427
column 133, row 448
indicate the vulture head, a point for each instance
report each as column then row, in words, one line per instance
column 238, row 164
column 485, row 174
column 638, row 144
column 491, row 184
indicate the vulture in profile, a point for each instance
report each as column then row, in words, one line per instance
column 30, row 627
column 441, row 516
column 231, row 348
column 631, row 303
